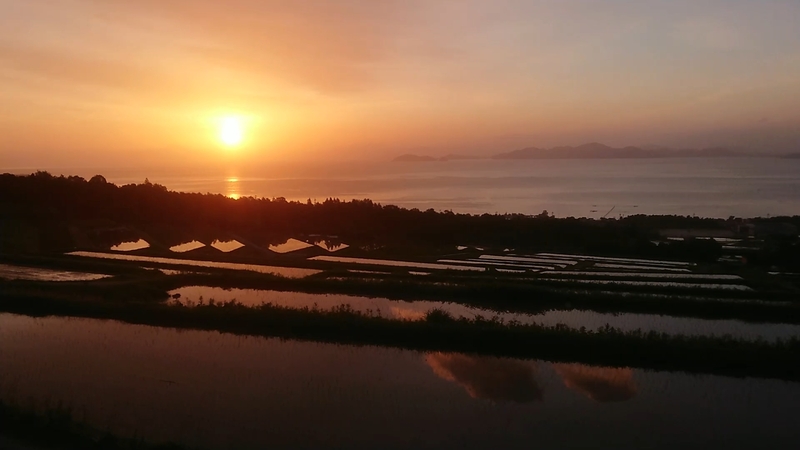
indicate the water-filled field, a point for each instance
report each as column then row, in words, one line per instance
column 416, row 310
column 289, row 272
column 220, row 391
column 14, row 272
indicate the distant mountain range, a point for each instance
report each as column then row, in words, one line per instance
column 592, row 151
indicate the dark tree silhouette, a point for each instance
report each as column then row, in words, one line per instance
column 43, row 200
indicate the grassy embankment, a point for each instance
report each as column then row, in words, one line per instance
column 56, row 427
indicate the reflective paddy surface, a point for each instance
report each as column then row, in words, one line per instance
column 221, row 391
column 416, row 310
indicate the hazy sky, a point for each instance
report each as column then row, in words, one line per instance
column 120, row 82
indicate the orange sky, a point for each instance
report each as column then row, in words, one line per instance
column 120, row 82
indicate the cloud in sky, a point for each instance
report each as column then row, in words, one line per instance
column 111, row 79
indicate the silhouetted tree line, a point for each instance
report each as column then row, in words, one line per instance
column 57, row 201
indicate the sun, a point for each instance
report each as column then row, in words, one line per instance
column 231, row 131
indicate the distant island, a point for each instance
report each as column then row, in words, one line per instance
column 792, row 155
column 592, row 150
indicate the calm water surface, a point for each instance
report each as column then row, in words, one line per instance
column 715, row 187
column 289, row 272
column 223, row 391
column 13, row 272
column 290, row 246
column 131, row 246
column 573, row 318
column 395, row 263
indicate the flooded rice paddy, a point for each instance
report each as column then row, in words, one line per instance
column 416, row 310
column 227, row 246
column 368, row 272
column 691, row 276
column 623, row 271
column 331, row 247
column 633, row 267
column 289, row 272
column 621, row 260
column 527, row 259
column 12, row 272
column 494, row 263
column 394, row 263
column 187, row 247
column 664, row 284
column 218, row 391
column 291, row 245
column 131, row 246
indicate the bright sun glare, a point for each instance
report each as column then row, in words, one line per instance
column 231, row 131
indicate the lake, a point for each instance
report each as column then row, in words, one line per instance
column 221, row 391
column 714, row 187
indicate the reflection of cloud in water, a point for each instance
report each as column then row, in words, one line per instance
column 487, row 377
column 601, row 384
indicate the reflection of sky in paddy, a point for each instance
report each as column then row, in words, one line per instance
column 187, row 247
column 688, row 276
column 601, row 384
column 712, row 286
column 486, row 377
column 215, row 390
column 227, row 246
column 290, row 272
column 11, row 272
column 617, row 260
column 504, row 379
column 483, row 262
column 331, row 247
column 291, row 245
column 398, row 309
column 131, row 246
column 394, row 263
